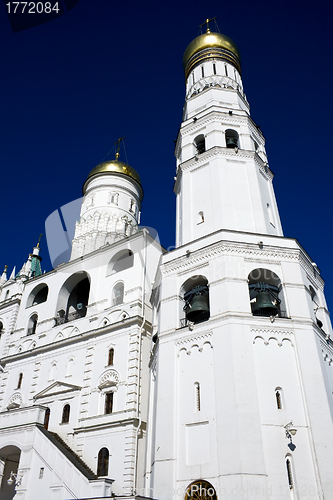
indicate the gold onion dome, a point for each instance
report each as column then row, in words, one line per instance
column 208, row 46
column 114, row 167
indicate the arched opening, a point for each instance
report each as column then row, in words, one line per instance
column 264, row 290
column 32, row 324
column 65, row 414
column 200, row 144
column 231, row 138
column 121, row 261
column 290, row 472
column 200, row 490
column 73, row 298
column 9, row 471
column 278, row 398
column 195, row 293
column 108, row 403
column 47, row 418
column 1, row 327
column 118, row 294
column 38, row 295
column 103, row 462
column 19, row 382
column 111, row 356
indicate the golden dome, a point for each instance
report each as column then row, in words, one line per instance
column 114, row 167
column 213, row 45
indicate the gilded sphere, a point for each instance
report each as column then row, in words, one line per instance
column 115, row 167
column 209, row 40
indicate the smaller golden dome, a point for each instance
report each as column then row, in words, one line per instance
column 208, row 42
column 115, row 167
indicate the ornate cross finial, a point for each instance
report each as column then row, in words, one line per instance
column 118, row 147
column 40, row 236
column 207, row 22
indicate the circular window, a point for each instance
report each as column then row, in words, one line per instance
column 200, row 490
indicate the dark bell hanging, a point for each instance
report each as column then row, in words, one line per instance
column 197, row 305
column 231, row 142
column 267, row 301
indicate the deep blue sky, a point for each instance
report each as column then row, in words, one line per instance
column 71, row 87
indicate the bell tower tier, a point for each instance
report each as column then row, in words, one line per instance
column 223, row 179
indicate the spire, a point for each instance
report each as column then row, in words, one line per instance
column 3, row 278
column 12, row 276
column 32, row 267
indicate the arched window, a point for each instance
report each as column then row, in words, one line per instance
column 108, row 402
column 118, row 294
column 111, row 356
column 103, row 462
column 231, row 138
column 73, row 298
column 65, row 414
column 200, row 144
column 47, row 418
column 19, row 382
column 38, row 295
column 1, row 327
column 264, row 289
column 278, row 397
column 121, row 261
column 195, row 293
column 289, row 473
column 7, row 294
column 32, row 324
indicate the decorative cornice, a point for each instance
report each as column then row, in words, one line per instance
column 185, row 264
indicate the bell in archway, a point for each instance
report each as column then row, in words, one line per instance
column 263, row 305
column 231, row 142
column 198, row 309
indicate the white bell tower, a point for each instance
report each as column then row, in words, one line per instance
column 241, row 369
column 223, row 178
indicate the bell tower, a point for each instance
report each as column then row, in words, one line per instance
column 241, row 365
column 223, row 178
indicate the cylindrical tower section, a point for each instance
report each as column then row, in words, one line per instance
column 111, row 205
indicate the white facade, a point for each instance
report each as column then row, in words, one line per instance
column 129, row 371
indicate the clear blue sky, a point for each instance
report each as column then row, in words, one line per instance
column 71, row 87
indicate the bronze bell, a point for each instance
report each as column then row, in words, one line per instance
column 231, row 142
column 198, row 309
column 264, row 302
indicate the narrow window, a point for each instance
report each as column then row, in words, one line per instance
column 197, row 396
column 65, row 414
column 113, row 197
column 278, row 400
column 19, row 382
column 235, row 75
column 1, row 327
column 47, row 418
column 193, row 81
column 214, row 68
column 226, row 70
column 201, row 217
column 290, row 474
column 202, row 71
column 118, row 294
column 108, row 402
column 111, row 356
column 270, row 215
column 32, row 325
column 41, row 473
column 103, row 462
column 7, row 294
